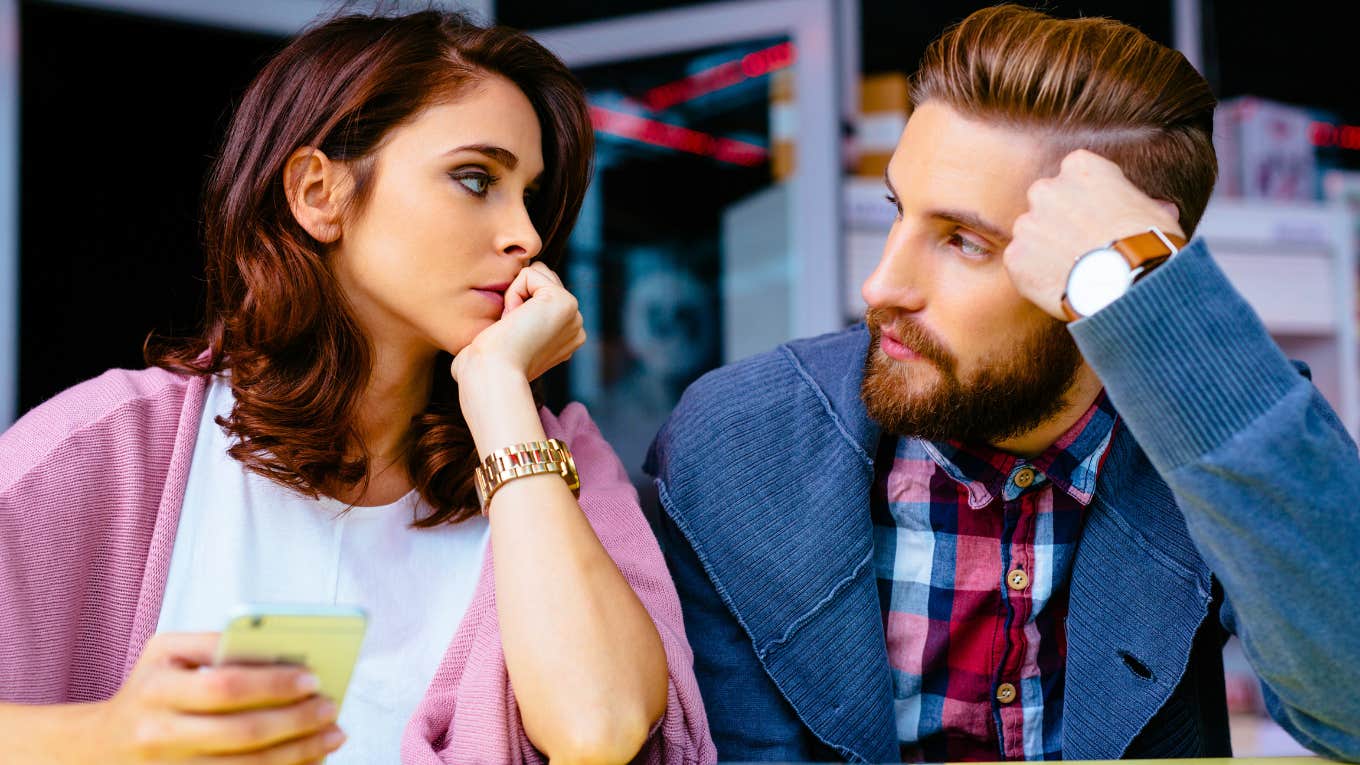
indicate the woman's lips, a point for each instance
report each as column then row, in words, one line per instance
column 895, row 348
column 495, row 294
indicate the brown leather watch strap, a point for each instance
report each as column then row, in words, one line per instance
column 1143, row 252
column 1147, row 248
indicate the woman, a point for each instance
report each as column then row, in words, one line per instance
column 390, row 194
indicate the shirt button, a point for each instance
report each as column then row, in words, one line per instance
column 1005, row 693
column 1017, row 580
column 1024, row 477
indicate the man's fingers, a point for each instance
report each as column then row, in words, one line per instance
column 233, row 687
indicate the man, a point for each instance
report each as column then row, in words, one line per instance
column 1026, row 528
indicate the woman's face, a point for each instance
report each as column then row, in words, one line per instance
column 444, row 230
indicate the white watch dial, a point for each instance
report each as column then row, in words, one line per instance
column 1097, row 279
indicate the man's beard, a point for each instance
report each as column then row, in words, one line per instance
column 1007, row 397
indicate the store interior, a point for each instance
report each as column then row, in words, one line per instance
column 737, row 200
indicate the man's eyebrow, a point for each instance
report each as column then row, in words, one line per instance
column 503, row 156
column 960, row 217
column 973, row 221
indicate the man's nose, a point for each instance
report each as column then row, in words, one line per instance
column 898, row 280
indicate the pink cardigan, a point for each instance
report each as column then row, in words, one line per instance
column 91, row 485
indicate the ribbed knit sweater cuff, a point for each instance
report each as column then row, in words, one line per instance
column 1185, row 359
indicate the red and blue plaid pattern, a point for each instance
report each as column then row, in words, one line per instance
column 951, row 524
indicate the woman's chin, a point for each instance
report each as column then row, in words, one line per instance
column 453, row 343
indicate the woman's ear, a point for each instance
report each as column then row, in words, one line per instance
column 318, row 190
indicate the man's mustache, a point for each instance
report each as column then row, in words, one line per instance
column 911, row 334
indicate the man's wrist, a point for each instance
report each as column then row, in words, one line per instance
column 1103, row 275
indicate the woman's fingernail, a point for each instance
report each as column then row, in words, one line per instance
column 308, row 683
column 333, row 739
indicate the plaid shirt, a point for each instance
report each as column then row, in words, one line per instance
column 972, row 549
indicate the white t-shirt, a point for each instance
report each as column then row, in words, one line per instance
column 245, row 539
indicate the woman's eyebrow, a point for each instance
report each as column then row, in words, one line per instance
column 503, row 156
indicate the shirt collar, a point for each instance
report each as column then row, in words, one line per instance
column 1072, row 463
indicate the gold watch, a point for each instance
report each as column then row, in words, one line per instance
column 520, row 460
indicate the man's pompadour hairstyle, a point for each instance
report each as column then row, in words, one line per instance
column 1090, row 83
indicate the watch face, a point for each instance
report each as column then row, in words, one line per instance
column 1097, row 279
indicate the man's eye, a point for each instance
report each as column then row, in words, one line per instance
column 895, row 202
column 968, row 246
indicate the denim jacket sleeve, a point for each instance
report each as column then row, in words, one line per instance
column 748, row 717
column 1267, row 477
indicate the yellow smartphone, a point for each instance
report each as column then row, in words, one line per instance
column 325, row 639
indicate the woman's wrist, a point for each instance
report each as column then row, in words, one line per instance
column 51, row 733
column 498, row 405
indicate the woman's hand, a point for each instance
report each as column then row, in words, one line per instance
column 540, row 328
column 175, row 707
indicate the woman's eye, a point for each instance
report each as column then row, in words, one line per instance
column 968, row 246
column 477, row 183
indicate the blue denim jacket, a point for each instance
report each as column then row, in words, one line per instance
column 1228, row 504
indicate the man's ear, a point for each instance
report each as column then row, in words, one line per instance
column 318, row 190
column 1169, row 208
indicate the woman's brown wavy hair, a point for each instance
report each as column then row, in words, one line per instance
column 276, row 317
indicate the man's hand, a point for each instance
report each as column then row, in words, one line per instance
column 1088, row 205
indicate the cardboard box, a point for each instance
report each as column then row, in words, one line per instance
column 1265, row 150
column 783, row 124
column 883, row 115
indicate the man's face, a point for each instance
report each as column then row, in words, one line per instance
column 955, row 351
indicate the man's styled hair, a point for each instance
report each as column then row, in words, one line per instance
column 1090, row 83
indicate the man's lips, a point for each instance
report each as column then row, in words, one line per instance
column 894, row 347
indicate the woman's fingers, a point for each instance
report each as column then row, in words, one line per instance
column 539, row 277
column 517, row 293
column 232, row 688
column 538, row 327
column 311, row 748
column 568, row 347
column 529, row 281
column 253, row 730
column 177, row 705
column 548, row 272
column 185, row 649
